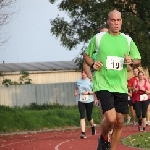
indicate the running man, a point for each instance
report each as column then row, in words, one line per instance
column 110, row 77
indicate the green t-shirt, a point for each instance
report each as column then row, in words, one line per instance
column 112, row 76
column 94, row 56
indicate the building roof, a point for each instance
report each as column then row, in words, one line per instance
column 38, row 66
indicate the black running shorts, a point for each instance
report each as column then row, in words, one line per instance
column 116, row 100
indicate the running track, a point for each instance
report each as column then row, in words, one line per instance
column 58, row 140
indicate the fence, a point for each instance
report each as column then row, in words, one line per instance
column 24, row 95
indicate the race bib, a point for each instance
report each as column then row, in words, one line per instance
column 143, row 97
column 84, row 97
column 114, row 62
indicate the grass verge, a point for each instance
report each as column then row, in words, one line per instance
column 141, row 140
column 35, row 118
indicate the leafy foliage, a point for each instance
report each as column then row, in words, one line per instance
column 24, row 79
column 86, row 17
column 7, row 82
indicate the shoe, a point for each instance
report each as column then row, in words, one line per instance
column 134, row 124
column 82, row 136
column 103, row 145
column 140, row 128
column 128, row 120
column 144, row 129
column 93, row 129
column 148, row 123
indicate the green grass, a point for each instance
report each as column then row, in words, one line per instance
column 38, row 117
column 35, row 118
column 141, row 140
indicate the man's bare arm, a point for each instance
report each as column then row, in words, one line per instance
column 95, row 65
column 132, row 62
column 87, row 70
column 136, row 63
column 88, row 60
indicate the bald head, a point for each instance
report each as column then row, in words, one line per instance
column 114, row 22
column 114, row 12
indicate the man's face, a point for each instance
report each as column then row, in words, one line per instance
column 114, row 21
column 135, row 72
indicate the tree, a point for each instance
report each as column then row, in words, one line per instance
column 88, row 16
column 24, row 79
column 5, row 16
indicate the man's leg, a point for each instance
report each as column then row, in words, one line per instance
column 107, row 104
column 117, row 130
column 107, row 124
column 121, row 107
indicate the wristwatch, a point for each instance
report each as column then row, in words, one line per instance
column 88, row 93
column 91, row 67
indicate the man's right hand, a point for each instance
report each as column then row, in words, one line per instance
column 97, row 65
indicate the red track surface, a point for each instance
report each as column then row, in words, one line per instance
column 59, row 140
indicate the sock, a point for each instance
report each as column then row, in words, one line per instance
column 83, row 133
column 105, row 139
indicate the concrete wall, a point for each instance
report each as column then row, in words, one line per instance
column 24, row 95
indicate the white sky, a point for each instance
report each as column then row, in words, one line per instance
column 31, row 40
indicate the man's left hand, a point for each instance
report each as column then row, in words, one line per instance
column 127, row 59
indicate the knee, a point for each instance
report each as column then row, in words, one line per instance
column 112, row 120
column 119, row 123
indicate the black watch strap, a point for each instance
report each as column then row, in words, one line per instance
column 92, row 66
